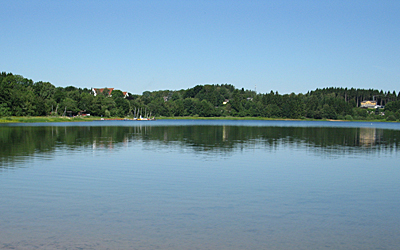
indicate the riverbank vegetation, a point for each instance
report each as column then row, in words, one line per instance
column 33, row 119
column 21, row 97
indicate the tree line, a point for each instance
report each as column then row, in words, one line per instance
column 20, row 96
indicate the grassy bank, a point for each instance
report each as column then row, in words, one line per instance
column 213, row 118
column 35, row 119
column 257, row 118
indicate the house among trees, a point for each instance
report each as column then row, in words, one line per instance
column 368, row 104
column 96, row 91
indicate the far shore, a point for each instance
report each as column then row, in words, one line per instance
column 43, row 119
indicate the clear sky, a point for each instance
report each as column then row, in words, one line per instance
column 285, row 46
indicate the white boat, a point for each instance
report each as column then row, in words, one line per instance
column 144, row 119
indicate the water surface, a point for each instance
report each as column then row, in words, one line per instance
column 200, row 185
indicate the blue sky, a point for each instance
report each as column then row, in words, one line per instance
column 135, row 46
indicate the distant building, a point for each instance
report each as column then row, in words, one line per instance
column 368, row 104
column 125, row 94
column 95, row 91
column 226, row 101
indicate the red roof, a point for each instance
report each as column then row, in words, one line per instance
column 101, row 90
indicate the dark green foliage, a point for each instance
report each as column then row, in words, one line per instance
column 393, row 106
column 391, row 118
column 348, row 117
column 397, row 114
column 117, row 94
column 4, row 110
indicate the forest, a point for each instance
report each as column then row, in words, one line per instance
column 20, row 96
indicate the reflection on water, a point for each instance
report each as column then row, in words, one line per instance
column 199, row 185
column 369, row 136
column 25, row 141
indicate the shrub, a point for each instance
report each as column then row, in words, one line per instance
column 391, row 118
column 397, row 114
column 348, row 117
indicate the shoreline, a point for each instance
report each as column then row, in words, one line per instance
column 43, row 119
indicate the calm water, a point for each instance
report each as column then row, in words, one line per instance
column 200, row 185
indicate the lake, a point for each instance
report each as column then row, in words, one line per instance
column 198, row 184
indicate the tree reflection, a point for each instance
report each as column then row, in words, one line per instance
column 26, row 141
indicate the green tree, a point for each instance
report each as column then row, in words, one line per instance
column 117, row 94
column 69, row 106
column 205, row 109
column 393, row 106
column 190, row 106
column 328, row 112
column 123, row 105
column 4, row 110
column 44, row 90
